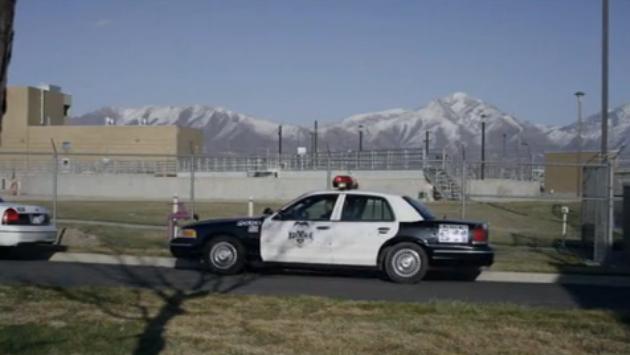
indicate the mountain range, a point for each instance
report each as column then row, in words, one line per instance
column 453, row 122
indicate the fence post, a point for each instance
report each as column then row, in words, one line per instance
column 192, row 179
column 55, row 177
column 328, row 173
column 626, row 218
column 463, row 189
column 610, row 195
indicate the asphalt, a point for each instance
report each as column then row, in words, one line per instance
column 346, row 285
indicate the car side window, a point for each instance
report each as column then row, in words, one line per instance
column 366, row 208
column 311, row 208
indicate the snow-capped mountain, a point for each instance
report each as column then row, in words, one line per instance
column 454, row 122
column 618, row 131
column 223, row 130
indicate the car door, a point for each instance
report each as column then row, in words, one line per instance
column 365, row 223
column 300, row 233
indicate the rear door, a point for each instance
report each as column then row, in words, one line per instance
column 300, row 233
column 365, row 223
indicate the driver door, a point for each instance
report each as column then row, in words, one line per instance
column 302, row 232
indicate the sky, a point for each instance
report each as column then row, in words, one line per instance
column 294, row 61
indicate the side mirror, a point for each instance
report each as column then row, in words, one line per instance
column 196, row 217
column 267, row 211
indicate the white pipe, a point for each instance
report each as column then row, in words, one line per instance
column 173, row 220
column 250, row 206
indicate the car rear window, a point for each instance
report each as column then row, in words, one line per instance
column 420, row 207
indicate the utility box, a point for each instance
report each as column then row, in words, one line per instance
column 626, row 218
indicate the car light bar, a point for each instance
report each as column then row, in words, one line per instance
column 10, row 216
column 345, row 182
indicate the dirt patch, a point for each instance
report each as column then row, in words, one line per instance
column 74, row 237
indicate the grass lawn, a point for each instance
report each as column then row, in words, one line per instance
column 115, row 240
column 126, row 321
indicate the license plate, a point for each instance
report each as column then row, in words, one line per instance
column 38, row 219
column 453, row 233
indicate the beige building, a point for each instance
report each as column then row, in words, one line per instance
column 35, row 116
column 563, row 170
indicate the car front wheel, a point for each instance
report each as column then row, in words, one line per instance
column 406, row 263
column 224, row 255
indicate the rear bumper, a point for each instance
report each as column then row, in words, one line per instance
column 462, row 256
column 14, row 237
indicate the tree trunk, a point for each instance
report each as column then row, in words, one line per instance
column 7, row 12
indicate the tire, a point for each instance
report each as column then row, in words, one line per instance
column 406, row 263
column 224, row 255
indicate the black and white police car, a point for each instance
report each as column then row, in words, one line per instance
column 340, row 228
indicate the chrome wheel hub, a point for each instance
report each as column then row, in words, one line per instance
column 223, row 255
column 406, row 262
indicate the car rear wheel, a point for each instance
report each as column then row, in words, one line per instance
column 224, row 255
column 406, row 263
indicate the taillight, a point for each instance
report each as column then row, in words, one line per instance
column 480, row 235
column 10, row 216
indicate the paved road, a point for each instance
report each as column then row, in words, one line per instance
column 363, row 286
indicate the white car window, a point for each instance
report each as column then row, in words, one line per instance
column 366, row 208
column 311, row 208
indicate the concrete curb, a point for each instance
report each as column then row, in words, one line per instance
column 486, row 276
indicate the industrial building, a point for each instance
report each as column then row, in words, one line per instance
column 37, row 115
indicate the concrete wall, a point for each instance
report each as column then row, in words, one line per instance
column 226, row 187
column 503, row 187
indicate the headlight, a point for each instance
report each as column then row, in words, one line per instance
column 187, row 233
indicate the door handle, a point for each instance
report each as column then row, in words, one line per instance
column 383, row 230
column 323, row 227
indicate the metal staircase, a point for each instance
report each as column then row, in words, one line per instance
column 446, row 187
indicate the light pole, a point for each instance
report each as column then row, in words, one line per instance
column 579, row 95
column 483, row 146
column 426, row 144
column 360, row 138
column 604, row 113
column 531, row 160
column 279, row 140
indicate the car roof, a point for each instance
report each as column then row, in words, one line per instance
column 352, row 192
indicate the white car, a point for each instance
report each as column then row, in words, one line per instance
column 344, row 228
column 24, row 224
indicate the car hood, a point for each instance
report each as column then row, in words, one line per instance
column 217, row 221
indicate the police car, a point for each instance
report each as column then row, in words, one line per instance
column 339, row 228
column 21, row 224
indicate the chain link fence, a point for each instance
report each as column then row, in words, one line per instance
column 522, row 200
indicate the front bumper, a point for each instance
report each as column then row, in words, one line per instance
column 184, row 248
column 16, row 235
column 462, row 256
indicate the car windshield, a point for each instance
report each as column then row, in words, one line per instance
column 420, row 207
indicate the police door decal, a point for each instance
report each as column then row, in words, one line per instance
column 301, row 233
column 295, row 241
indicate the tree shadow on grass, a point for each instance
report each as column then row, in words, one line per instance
column 171, row 293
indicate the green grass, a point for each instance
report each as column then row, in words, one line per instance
column 146, row 212
column 125, row 321
column 524, row 233
column 115, row 240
